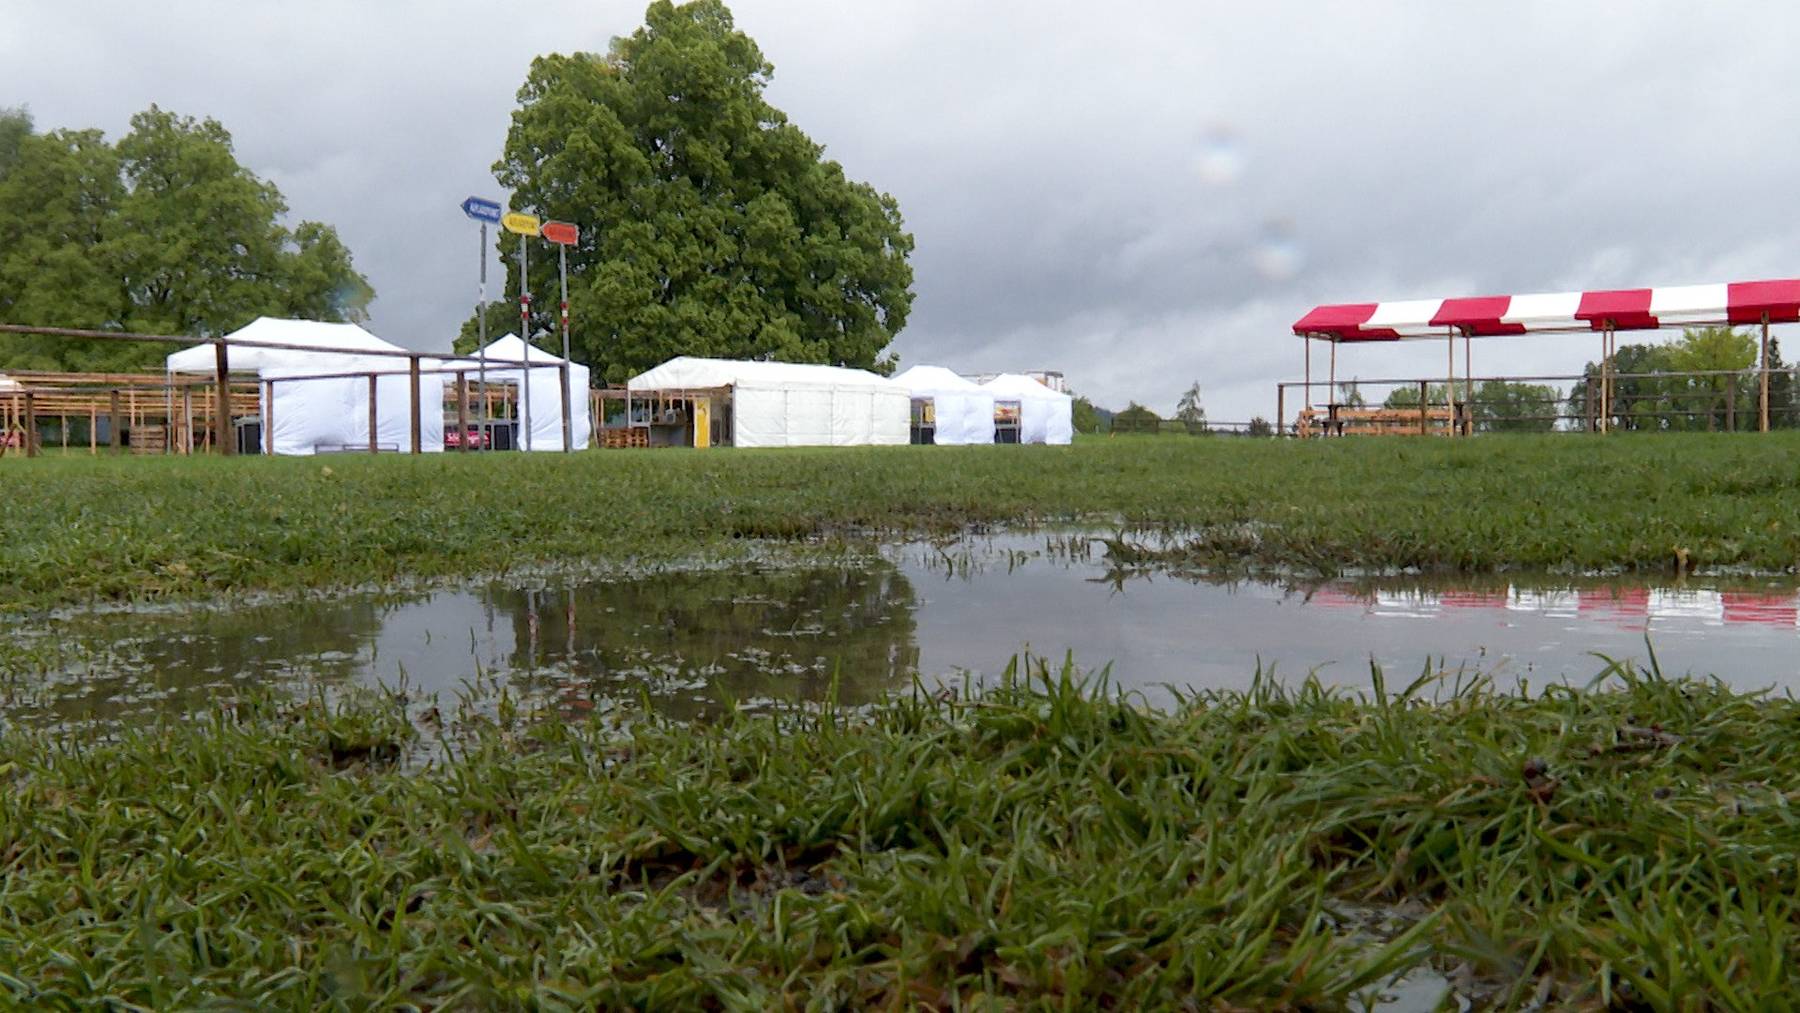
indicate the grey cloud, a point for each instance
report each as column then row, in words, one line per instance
column 1058, row 162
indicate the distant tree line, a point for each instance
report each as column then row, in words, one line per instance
column 1666, row 402
column 160, row 232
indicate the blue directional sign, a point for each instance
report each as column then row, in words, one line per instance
column 482, row 210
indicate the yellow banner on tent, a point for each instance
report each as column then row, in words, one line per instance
column 524, row 225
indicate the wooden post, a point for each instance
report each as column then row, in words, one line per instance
column 113, row 420
column 268, row 418
column 31, row 448
column 1280, row 409
column 62, row 430
column 412, row 378
column 374, row 446
column 1763, row 385
column 93, row 430
column 462, row 411
column 1424, row 409
column 222, row 408
column 187, row 419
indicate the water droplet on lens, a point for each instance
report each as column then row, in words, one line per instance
column 1221, row 157
column 1277, row 255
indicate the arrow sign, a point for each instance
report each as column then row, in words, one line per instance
column 482, row 210
column 524, row 225
column 561, row 232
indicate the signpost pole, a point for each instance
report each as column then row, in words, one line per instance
column 487, row 212
column 562, row 265
column 486, row 424
column 525, row 336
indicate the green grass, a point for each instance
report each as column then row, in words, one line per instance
column 80, row 530
column 1043, row 844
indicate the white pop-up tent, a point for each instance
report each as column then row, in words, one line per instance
column 963, row 410
column 339, row 342
column 315, row 408
column 543, row 430
column 1045, row 415
column 786, row 404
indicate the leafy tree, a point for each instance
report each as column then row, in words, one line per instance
column 1136, row 419
column 1407, row 396
column 1350, row 394
column 1784, row 409
column 1505, row 406
column 1085, row 416
column 1188, row 410
column 163, row 232
column 710, row 224
column 1260, row 426
column 15, row 126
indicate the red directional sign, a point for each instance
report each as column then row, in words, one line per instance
column 560, row 232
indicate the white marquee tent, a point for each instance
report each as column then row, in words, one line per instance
column 784, row 404
column 963, row 410
column 1045, row 415
column 312, row 407
column 545, row 429
column 242, row 357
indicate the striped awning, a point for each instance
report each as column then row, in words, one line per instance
column 1625, row 309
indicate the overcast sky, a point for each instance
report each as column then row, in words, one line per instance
column 1137, row 194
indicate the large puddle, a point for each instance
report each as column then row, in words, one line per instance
column 697, row 640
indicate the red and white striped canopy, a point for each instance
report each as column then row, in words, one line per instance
column 1626, row 309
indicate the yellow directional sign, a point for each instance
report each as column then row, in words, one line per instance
column 524, row 225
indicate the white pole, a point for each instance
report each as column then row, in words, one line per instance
column 487, row 429
column 525, row 336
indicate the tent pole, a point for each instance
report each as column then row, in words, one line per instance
column 374, row 448
column 1331, row 389
column 1763, row 385
column 269, row 418
column 1450, row 386
column 1306, row 401
column 1469, row 380
column 113, row 416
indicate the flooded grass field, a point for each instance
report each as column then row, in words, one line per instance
column 697, row 639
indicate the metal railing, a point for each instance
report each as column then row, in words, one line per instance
column 1706, row 400
column 119, row 398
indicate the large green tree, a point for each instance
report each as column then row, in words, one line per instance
column 163, row 232
column 710, row 225
column 1670, row 397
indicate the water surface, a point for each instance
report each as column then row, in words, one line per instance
column 698, row 640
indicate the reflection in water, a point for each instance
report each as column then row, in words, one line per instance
column 690, row 640
column 696, row 641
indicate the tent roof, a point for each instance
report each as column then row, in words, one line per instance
column 1020, row 385
column 688, row 372
column 1631, row 309
column 937, row 380
column 8, row 383
column 340, row 339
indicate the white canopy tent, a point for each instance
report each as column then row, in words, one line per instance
column 313, row 407
column 963, row 410
column 312, row 412
column 241, row 356
column 786, row 404
column 1045, row 415
column 542, row 430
